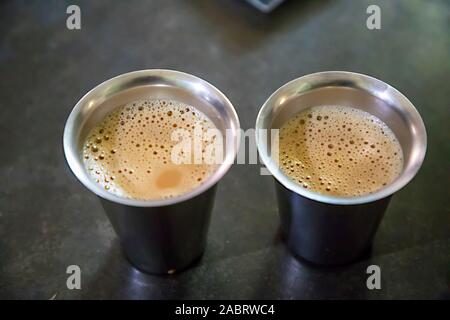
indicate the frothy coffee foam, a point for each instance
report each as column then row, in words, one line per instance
column 129, row 152
column 339, row 151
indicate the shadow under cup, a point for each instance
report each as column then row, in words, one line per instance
column 164, row 235
column 330, row 230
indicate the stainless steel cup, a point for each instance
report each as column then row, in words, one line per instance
column 324, row 229
column 158, row 236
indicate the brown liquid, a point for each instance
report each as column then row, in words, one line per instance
column 339, row 151
column 129, row 152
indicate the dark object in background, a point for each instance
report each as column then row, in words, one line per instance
column 265, row 5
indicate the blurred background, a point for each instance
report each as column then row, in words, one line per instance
column 48, row 221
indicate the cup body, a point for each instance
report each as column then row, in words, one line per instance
column 166, row 235
column 163, row 239
column 327, row 234
column 329, row 230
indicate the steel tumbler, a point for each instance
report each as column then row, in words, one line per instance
column 166, row 235
column 330, row 230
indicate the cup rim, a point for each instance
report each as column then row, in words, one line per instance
column 71, row 152
column 403, row 179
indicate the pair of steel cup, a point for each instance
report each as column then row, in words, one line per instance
column 168, row 235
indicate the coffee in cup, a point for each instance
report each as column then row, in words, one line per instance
column 340, row 151
column 129, row 152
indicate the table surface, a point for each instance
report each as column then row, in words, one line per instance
column 49, row 221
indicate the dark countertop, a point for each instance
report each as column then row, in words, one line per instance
column 49, row 221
